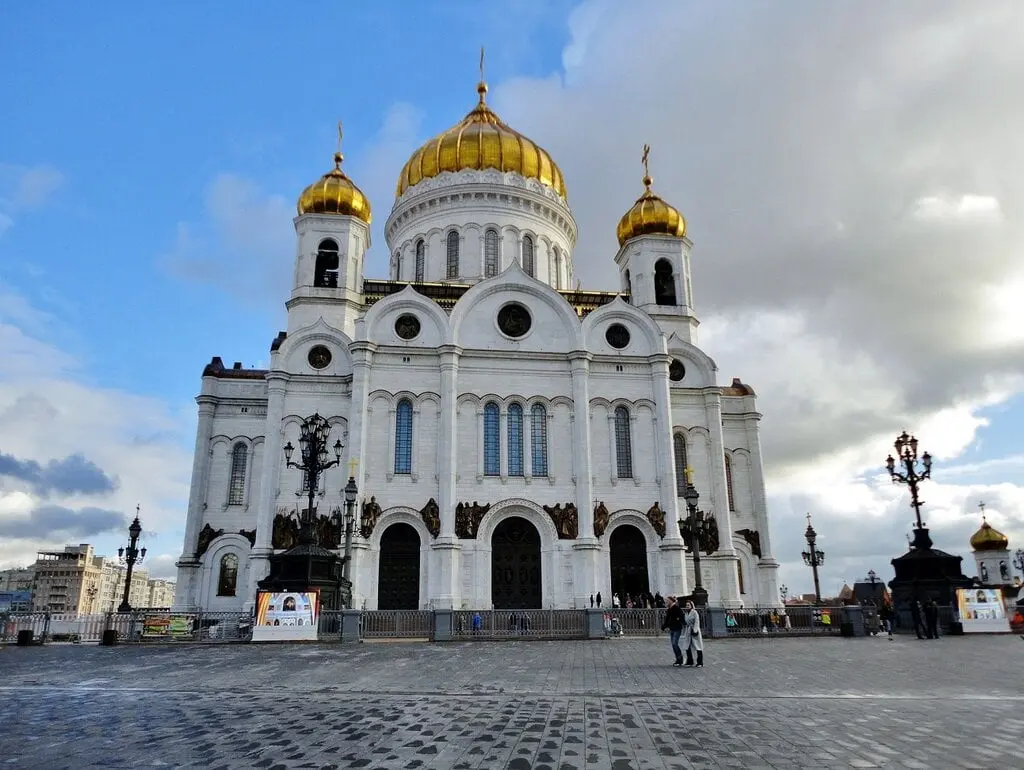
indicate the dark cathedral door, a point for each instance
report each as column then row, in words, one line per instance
column 398, row 583
column 629, row 562
column 516, row 570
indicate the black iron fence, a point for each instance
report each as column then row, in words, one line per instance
column 512, row 624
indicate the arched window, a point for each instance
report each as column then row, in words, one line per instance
column 492, row 442
column 236, row 489
column 664, row 283
column 528, row 262
column 539, row 439
column 421, row 258
column 396, row 267
column 227, row 582
column 679, row 444
column 623, row 445
column 728, row 481
column 403, row 437
column 558, row 268
column 739, row 574
column 490, row 253
column 515, row 440
column 326, row 272
column 629, row 288
column 453, row 254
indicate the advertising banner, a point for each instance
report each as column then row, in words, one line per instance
column 982, row 610
column 288, row 616
column 166, row 626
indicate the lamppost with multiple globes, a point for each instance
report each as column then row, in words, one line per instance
column 1018, row 560
column 813, row 557
column 91, row 592
column 911, row 474
column 313, row 452
column 351, row 492
column 693, row 524
column 130, row 556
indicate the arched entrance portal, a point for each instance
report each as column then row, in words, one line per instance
column 515, row 566
column 398, row 583
column 629, row 562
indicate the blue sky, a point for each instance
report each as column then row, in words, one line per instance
column 150, row 157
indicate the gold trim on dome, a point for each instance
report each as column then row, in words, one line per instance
column 481, row 141
column 650, row 215
column 988, row 538
column 335, row 193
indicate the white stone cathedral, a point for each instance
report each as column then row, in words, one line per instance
column 517, row 441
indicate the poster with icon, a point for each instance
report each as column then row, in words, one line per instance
column 287, row 616
column 982, row 610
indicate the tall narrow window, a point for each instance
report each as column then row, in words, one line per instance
column 728, row 482
column 403, row 437
column 539, row 439
column 515, row 440
column 629, row 287
column 453, row 254
column 679, row 444
column 558, row 268
column 528, row 262
column 227, row 582
column 421, row 259
column 490, row 253
column 664, row 283
column 396, row 267
column 623, row 445
column 739, row 574
column 325, row 273
column 236, row 491
column 492, row 442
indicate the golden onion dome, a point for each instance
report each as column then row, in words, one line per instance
column 335, row 193
column 989, row 539
column 650, row 215
column 481, row 141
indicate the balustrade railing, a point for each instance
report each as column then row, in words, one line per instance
column 508, row 624
column 397, row 624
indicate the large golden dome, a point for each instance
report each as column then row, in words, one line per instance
column 650, row 215
column 480, row 141
column 989, row 539
column 335, row 193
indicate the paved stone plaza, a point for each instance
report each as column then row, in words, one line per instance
column 561, row 705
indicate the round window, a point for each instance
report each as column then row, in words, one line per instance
column 514, row 320
column 676, row 370
column 407, row 326
column 617, row 336
column 319, row 356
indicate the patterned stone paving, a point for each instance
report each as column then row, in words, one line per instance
column 793, row 703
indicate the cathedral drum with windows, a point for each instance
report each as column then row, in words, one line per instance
column 516, row 442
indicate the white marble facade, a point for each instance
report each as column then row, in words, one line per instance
column 438, row 414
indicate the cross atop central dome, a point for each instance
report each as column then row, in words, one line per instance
column 481, row 141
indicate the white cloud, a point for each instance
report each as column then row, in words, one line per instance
column 980, row 208
column 23, row 188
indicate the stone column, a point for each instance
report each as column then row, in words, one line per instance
column 673, row 550
column 445, row 589
column 362, row 361
column 270, row 480
column 586, row 548
column 725, row 558
column 189, row 568
column 767, row 567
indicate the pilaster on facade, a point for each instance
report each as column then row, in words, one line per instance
column 729, row 578
column 447, row 470
column 579, row 367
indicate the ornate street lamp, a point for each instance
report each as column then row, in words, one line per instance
column 784, row 592
column 351, row 492
column 693, row 525
column 1018, row 560
column 813, row 558
column 91, row 592
column 130, row 556
column 313, row 435
column 908, row 473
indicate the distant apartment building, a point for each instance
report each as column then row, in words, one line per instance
column 161, row 593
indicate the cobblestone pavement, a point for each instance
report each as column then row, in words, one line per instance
column 562, row 705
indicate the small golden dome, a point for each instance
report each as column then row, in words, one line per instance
column 989, row 539
column 335, row 193
column 650, row 215
column 481, row 141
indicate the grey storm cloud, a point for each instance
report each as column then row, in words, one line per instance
column 72, row 475
column 55, row 522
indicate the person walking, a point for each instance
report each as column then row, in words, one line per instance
column 915, row 617
column 673, row 623
column 692, row 639
column 931, row 618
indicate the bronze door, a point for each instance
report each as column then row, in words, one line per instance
column 398, row 585
column 628, row 562
column 516, row 567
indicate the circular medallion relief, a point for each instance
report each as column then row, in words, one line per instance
column 676, row 370
column 319, row 356
column 514, row 320
column 407, row 326
column 617, row 336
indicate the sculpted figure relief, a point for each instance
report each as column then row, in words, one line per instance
column 753, row 538
column 601, row 517
column 468, row 518
column 328, row 530
column 657, row 518
column 432, row 517
column 567, row 520
column 206, row 536
column 368, row 518
column 286, row 530
column 248, row 534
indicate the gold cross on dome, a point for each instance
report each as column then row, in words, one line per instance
column 481, row 64
column 341, row 134
column 688, row 472
column 352, row 465
column 981, row 507
column 808, row 519
column 644, row 158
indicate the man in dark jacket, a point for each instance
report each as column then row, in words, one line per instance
column 673, row 623
column 931, row 618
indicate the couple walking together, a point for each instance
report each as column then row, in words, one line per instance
column 684, row 624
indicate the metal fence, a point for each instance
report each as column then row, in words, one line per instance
column 137, row 627
column 509, row 624
column 396, row 624
column 633, row 622
column 795, row 621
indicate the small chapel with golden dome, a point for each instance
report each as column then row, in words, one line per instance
column 517, row 441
